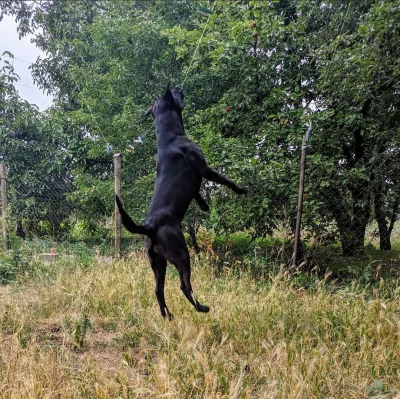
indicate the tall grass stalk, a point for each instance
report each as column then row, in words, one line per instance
column 259, row 340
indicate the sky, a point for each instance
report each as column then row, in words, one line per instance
column 25, row 53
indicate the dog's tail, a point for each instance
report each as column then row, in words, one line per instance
column 130, row 225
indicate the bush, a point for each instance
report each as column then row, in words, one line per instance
column 12, row 264
column 239, row 251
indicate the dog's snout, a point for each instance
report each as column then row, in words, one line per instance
column 177, row 92
column 179, row 89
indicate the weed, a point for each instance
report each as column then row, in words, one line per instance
column 283, row 337
column 79, row 334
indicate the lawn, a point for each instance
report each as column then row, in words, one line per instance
column 93, row 330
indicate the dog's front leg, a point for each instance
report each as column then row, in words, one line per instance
column 199, row 163
column 213, row 175
column 201, row 202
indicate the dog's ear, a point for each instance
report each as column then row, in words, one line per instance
column 168, row 96
column 149, row 112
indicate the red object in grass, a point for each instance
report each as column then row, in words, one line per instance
column 254, row 24
column 228, row 109
column 255, row 35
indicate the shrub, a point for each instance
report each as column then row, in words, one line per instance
column 12, row 264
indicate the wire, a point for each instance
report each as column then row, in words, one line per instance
column 90, row 111
column 31, row 87
column 341, row 30
column 19, row 59
column 79, row 90
column 20, row 84
column 100, row 134
column 195, row 51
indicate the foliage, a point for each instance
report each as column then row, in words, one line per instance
column 80, row 332
column 12, row 265
column 255, row 73
column 34, row 155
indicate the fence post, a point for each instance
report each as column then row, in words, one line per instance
column 117, row 190
column 3, row 178
column 301, row 192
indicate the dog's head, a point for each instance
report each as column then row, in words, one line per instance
column 171, row 100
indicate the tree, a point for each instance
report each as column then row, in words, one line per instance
column 255, row 73
column 358, row 83
column 310, row 54
column 34, row 157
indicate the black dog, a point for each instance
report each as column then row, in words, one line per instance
column 180, row 168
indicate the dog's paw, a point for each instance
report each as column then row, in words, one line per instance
column 202, row 308
column 169, row 316
column 241, row 190
column 166, row 314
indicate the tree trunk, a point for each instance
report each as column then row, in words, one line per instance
column 352, row 217
column 352, row 239
column 384, row 233
column 20, row 231
column 352, row 224
column 395, row 211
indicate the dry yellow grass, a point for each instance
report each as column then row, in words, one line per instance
column 258, row 341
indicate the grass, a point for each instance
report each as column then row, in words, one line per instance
column 68, row 331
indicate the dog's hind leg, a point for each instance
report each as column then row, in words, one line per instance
column 182, row 263
column 213, row 175
column 180, row 258
column 159, row 266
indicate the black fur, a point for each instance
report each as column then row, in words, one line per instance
column 181, row 166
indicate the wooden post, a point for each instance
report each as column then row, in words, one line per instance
column 3, row 178
column 301, row 193
column 117, row 190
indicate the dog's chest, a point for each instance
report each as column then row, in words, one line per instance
column 174, row 159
